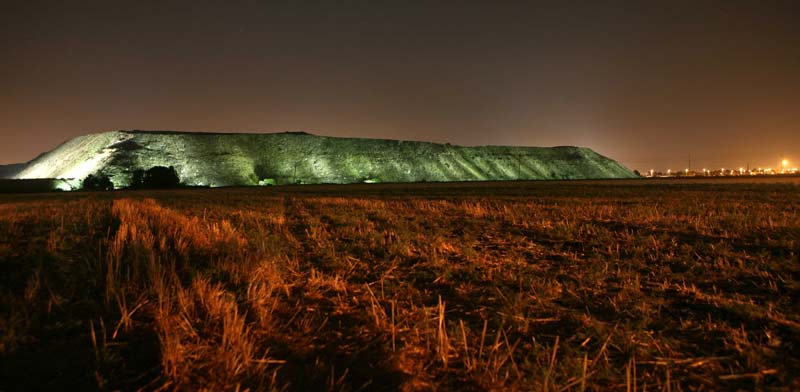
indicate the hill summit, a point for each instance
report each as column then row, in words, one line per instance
column 226, row 159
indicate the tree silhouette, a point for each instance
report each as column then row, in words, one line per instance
column 137, row 181
column 98, row 182
column 155, row 177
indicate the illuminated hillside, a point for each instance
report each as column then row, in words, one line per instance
column 219, row 159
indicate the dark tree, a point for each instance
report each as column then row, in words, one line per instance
column 637, row 173
column 137, row 181
column 97, row 183
column 156, row 177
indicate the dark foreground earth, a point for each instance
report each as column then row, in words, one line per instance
column 547, row 286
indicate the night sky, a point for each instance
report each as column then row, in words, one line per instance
column 648, row 85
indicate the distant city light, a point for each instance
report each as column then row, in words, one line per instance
column 785, row 167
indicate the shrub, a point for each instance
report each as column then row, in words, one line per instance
column 98, row 182
column 137, row 181
column 155, row 177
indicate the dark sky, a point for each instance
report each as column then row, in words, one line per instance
column 647, row 84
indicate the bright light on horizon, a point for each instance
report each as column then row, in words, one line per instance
column 784, row 165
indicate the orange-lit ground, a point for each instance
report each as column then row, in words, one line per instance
column 664, row 284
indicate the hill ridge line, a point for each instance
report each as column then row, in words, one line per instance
column 226, row 159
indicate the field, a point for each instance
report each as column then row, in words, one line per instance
column 534, row 286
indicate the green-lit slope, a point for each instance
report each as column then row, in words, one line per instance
column 220, row 159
